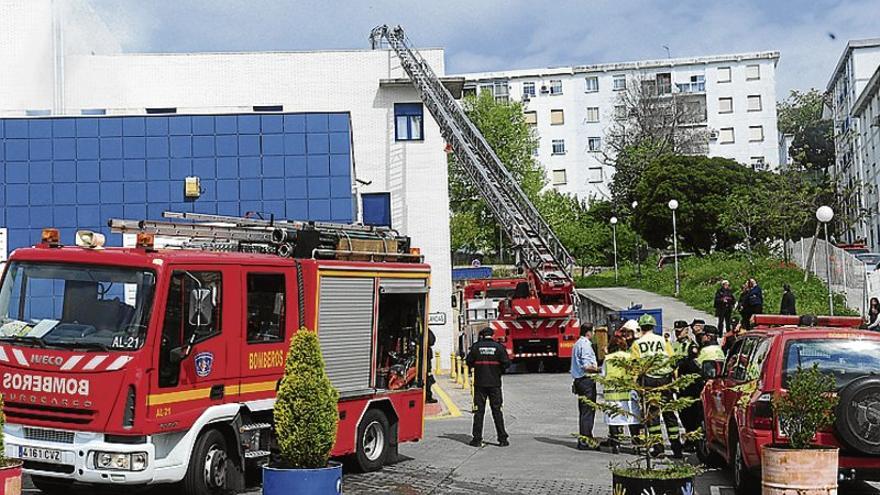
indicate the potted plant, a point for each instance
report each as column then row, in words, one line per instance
column 10, row 469
column 806, row 407
column 646, row 474
column 305, row 424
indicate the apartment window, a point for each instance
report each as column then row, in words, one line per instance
column 558, row 146
column 592, row 114
column 557, row 117
column 592, row 84
column 556, row 87
column 724, row 74
column 725, row 105
column 758, row 163
column 754, row 103
column 531, row 117
column 559, row 177
column 501, row 91
column 619, row 82
column 753, row 72
column 595, row 175
column 528, row 90
column 725, row 135
column 619, row 112
column 408, row 125
column 756, row 133
column 594, row 144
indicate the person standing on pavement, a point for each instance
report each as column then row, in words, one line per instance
column 626, row 400
column 691, row 416
column 628, row 330
column 684, row 345
column 724, row 303
column 697, row 328
column 788, row 305
column 650, row 344
column 583, row 365
column 710, row 350
column 874, row 314
column 489, row 360
column 430, row 381
column 755, row 299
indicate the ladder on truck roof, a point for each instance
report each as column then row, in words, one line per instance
column 537, row 246
column 285, row 238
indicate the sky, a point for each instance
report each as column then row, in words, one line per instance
column 497, row 35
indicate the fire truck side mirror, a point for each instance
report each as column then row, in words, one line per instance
column 201, row 307
column 454, row 301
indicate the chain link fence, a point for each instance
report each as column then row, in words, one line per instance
column 845, row 273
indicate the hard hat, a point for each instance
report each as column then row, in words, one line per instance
column 631, row 325
column 647, row 320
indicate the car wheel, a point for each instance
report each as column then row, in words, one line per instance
column 744, row 482
column 706, row 455
column 857, row 419
column 372, row 441
column 207, row 471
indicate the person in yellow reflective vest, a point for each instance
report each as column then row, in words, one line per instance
column 710, row 351
column 626, row 400
column 649, row 344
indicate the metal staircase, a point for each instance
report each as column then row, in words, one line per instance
column 537, row 246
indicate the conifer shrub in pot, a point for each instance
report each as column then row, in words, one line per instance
column 306, row 417
column 803, row 410
column 10, row 469
column 646, row 474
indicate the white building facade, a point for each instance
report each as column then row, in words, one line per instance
column 93, row 77
column 572, row 109
column 850, row 91
column 866, row 111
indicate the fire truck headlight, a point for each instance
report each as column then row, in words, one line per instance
column 136, row 461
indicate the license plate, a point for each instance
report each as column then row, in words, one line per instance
column 39, row 454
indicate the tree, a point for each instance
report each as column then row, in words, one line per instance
column 702, row 186
column 650, row 121
column 503, row 125
column 800, row 115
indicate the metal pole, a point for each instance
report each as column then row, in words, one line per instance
column 639, row 258
column 828, row 272
column 614, row 237
column 675, row 252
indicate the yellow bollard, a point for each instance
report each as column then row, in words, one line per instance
column 458, row 369
column 452, row 366
column 436, row 363
column 467, row 381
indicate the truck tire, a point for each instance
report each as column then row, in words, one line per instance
column 705, row 453
column 372, row 445
column 52, row 486
column 744, row 482
column 857, row 419
column 206, row 474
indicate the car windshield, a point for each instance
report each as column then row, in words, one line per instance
column 845, row 359
column 77, row 306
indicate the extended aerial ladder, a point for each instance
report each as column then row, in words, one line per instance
column 544, row 320
column 539, row 250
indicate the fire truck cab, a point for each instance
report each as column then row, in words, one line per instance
column 138, row 366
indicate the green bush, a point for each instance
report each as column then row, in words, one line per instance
column 807, row 407
column 701, row 276
column 306, row 406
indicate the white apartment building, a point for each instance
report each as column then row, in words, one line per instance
column 68, row 64
column 851, row 91
column 573, row 107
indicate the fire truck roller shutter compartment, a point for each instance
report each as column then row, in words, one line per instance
column 345, row 329
column 400, row 332
column 403, row 286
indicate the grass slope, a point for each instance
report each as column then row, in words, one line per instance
column 700, row 278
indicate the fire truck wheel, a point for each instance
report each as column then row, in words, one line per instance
column 372, row 441
column 206, row 474
column 51, row 486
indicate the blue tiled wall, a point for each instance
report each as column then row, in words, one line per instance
column 77, row 172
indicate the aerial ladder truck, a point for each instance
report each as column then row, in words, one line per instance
column 539, row 320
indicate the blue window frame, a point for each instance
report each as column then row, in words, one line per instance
column 376, row 209
column 408, row 122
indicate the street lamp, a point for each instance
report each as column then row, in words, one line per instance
column 824, row 215
column 673, row 205
column 638, row 247
column 614, row 237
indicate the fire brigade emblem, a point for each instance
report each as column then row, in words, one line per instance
column 204, row 363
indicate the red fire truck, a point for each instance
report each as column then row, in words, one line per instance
column 479, row 299
column 138, row 366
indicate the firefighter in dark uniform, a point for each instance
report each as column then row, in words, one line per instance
column 488, row 359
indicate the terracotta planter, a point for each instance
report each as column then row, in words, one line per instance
column 637, row 486
column 10, row 478
column 806, row 472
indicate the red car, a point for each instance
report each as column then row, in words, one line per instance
column 735, row 430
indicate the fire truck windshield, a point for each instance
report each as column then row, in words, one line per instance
column 75, row 306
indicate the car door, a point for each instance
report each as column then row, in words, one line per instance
column 737, row 376
column 716, row 414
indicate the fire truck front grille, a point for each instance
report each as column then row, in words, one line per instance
column 34, row 412
column 45, row 435
column 45, row 466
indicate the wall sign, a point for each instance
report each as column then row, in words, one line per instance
column 438, row 318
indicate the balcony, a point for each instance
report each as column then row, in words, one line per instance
column 691, row 87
